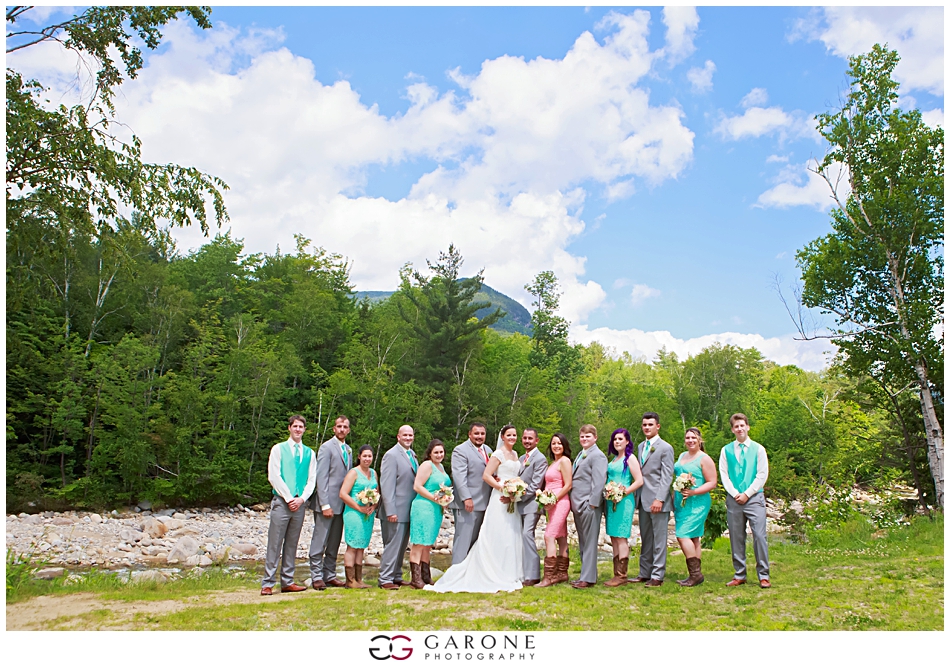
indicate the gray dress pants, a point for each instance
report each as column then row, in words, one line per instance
column 653, row 531
column 531, row 560
column 587, row 520
column 325, row 545
column 753, row 512
column 395, row 539
column 282, row 536
column 467, row 526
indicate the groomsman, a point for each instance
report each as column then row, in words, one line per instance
column 292, row 472
column 396, row 477
column 469, row 460
column 587, row 503
column 334, row 460
column 655, row 501
column 533, row 466
column 744, row 467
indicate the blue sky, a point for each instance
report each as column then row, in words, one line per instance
column 654, row 159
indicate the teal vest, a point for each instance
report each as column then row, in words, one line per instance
column 293, row 473
column 742, row 473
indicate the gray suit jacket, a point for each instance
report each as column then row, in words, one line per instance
column 590, row 476
column 331, row 470
column 533, row 475
column 396, row 477
column 657, row 470
column 467, row 469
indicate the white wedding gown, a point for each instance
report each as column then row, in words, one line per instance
column 494, row 562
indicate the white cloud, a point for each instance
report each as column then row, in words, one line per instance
column 915, row 32
column 798, row 185
column 641, row 293
column 933, row 118
column 758, row 121
column 681, row 26
column 757, row 96
column 784, row 350
column 514, row 151
column 701, row 78
column 775, row 158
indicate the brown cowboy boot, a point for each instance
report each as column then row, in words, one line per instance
column 426, row 573
column 561, row 568
column 695, row 578
column 550, row 565
column 350, row 577
column 620, row 572
column 416, row 571
column 358, row 574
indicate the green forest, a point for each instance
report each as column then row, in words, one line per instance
column 135, row 371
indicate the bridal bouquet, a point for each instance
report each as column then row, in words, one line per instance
column 444, row 495
column 513, row 488
column 614, row 492
column 368, row 497
column 545, row 499
column 684, row 481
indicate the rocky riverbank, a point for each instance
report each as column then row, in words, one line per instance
column 187, row 538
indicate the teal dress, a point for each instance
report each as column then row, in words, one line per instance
column 357, row 527
column 691, row 518
column 620, row 521
column 425, row 517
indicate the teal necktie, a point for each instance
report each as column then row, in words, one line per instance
column 412, row 460
column 646, row 450
column 346, row 459
column 742, row 454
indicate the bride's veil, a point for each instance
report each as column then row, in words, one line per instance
column 500, row 443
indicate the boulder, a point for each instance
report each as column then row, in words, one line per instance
column 49, row 573
column 129, row 534
column 260, row 507
column 153, row 528
column 220, row 555
column 95, row 518
column 151, row 576
column 145, row 505
column 183, row 549
column 245, row 548
column 192, row 561
column 204, row 560
column 180, row 516
column 62, row 521
column 173, row 524
column 371, row 561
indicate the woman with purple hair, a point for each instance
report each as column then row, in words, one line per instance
column 624, row 470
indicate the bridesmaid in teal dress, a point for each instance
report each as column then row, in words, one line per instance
column 691, row 514
column 625, row 469
column 357, row 517
column 425, row 517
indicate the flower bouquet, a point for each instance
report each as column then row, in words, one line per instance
column 614, row 492
column 368, row 497
column 513, row 488
column 545, row 498
column 683, row 482
column 444, row 495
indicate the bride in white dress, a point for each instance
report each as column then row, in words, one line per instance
column 494, row 562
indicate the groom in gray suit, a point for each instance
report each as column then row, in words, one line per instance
column 469, row 460
column 587, row 503
column 531, row 471
column 334, row 460
column 396, row 477
column 656, row 501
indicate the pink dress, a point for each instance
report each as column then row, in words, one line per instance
column 557, row 514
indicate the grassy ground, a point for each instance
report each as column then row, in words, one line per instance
column 854, row 578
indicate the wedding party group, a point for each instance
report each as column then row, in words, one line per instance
column 497, row 499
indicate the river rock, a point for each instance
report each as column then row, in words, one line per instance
column 204, row 560
column 156, row 576
column 128, row 534
column 49, row 573
column 145, row 505
column 371, row 561
column 95, row 518
column 220, row 554
column 180, row 516
column 62, row 521
column 245, row 548
column 172, row 524
column 191, row 561
column 154, row 528
column 183, row 549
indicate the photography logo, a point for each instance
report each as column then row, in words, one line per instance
column 390, row 648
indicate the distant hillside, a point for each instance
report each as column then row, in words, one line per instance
column 517, row 319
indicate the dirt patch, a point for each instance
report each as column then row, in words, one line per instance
column 67, row 611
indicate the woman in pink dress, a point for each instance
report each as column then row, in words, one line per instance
column 557, row 479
